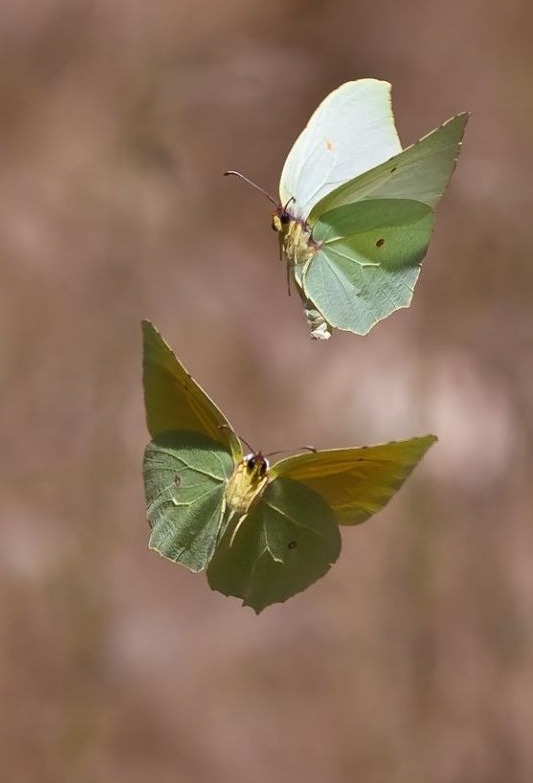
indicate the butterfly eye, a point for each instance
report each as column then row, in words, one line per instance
column 279, row 219
column 253, row 462
column 256, row 462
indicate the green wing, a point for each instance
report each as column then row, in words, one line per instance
column 174, row 401
column 185, row 475
column 372, row 233
column 356, row 483
column 420, row 173
column 368, row 262
column 287, row 541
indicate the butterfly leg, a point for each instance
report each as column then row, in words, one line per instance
column 237, row 526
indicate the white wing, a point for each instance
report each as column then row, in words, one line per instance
column 351, row 132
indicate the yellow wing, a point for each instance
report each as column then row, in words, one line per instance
column 174, row 401
column 356, row 483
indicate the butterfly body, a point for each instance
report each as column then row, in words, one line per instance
column 295, row 240
column 247, row 482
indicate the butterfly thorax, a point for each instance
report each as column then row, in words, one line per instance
column 248, row 481
column 295, row 239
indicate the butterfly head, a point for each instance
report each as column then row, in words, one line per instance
column 256, row 465
column 281, row 219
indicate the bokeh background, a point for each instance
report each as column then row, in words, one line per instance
column 412, row 661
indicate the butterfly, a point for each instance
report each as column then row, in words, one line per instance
column 262, row 533
column 355, row 211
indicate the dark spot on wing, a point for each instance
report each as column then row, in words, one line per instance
column 177, row 481
column 380, row 242
column 292, row 545
column 393, row 169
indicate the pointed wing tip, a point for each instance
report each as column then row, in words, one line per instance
column 152, row 338
column 462, row 118
column 458, row 119
column 149, row 331
column 424, row 441
column 430, row 439
column 257, row 610
column 259, row 607
column 421, row 446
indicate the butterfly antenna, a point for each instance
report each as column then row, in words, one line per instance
column 243, row 440
column 252, row 184
column 285, row 206
column 226, row 427
column 284, row 451
column 252, row 450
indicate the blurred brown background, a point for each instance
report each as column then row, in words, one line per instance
column 412, row 661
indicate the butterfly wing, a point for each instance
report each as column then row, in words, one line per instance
column 421, row 172
column 185, row 476
column 355, row 483
column 368, row 261
column 189, row 461
column 287, row 541
column 174, row 401
column 373, row 233
column 350, row 132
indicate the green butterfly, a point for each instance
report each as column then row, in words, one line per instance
column 356, row 212
column 263, row 533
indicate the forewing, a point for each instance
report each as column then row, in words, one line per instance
column 288, row 540
column 421, row 172
column 350, row 132
column 356, row 483
column 174, row 401
column 368, row 262
column 185, row 476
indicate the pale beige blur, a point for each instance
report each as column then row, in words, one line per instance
column 412, row 661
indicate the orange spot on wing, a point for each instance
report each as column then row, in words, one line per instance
column 329, row 145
